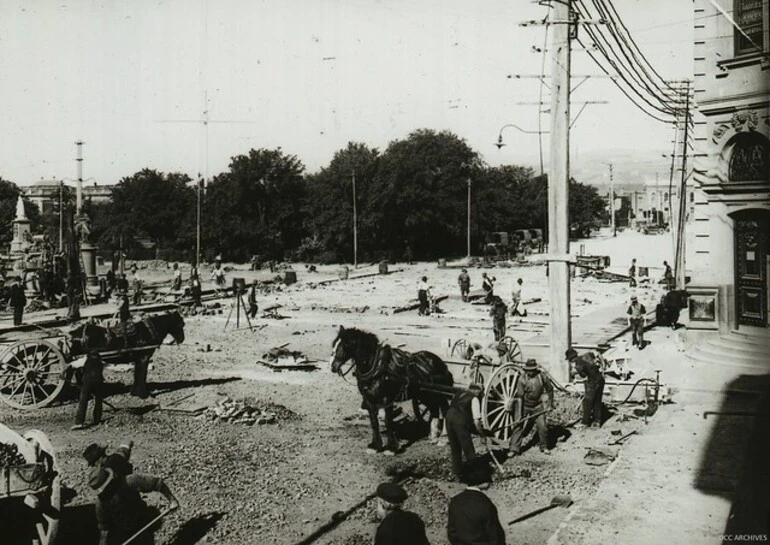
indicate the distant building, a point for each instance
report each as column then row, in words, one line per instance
column 45, row 193
column 649, row 202
column 730, row 260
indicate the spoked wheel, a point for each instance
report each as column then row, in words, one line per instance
column 460, row 348
column 31, row 374
column 48, row 512
column 512, row 349
column 498, row 411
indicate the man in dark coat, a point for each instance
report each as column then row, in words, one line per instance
column 253, row 307
column 463, row 419
column 93, row 385
column 488, row 285
column 17, row 300
column 498, row 311
column 473, row 518
column 118, row 461
column 587, row 367
column 120, row 509
column 398, row 527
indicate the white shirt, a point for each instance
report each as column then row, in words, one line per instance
column 476, row 409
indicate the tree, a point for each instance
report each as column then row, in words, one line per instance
column 149, row 204
column 49, row 221
column 586, row 208
column 256, row 207
column 418, row 196
column 329, row 203
column 9, row 196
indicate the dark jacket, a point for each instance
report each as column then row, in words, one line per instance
column 16, row 296
column 121, row 511
column 460, row 406
column 587, row 368
column 473, row 520
column 401, row 528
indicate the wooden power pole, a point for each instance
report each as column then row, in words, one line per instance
column 558, row 190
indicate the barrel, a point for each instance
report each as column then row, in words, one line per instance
column 442, row 263
column 289, row 277
column 383, row 267
column 343, row 272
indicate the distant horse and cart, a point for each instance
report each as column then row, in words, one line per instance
column 33, row 371
column 386, row 375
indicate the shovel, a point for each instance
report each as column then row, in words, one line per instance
column 562, row 500
column 146, row 526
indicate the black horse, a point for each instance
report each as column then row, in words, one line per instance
column 148, row 332
column 386, row 375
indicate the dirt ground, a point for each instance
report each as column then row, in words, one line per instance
column 276, row 483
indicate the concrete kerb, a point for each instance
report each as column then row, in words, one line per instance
column 581, row 506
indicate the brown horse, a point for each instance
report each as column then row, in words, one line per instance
column 385, row 375
column 148, row 332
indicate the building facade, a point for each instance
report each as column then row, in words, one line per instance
column 45, row 193
column 730, row 258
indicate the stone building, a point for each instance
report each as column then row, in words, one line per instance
column 729, row 260
column 45, row 193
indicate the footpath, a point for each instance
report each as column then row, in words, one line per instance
column 688, row 477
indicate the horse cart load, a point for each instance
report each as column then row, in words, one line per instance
column 30, row 488
column 34, row 370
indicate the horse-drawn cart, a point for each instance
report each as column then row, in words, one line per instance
column 33, row 371
column 30, row 488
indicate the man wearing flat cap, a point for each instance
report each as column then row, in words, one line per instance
column 120, row 509
column 118, row 461
column 587, row 367
column 473, row 518
column 529, row 392
column 398, row 527
column 463, row 419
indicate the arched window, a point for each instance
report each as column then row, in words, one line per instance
column 749, row 159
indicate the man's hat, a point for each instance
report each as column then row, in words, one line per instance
column 93, row 452
column 475, row 386
column 391, row 493
column 570, row 353
column 100, row 479
column 477, row 472
column 633, row 298
column 530, row 365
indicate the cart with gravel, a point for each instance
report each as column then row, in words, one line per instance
column 30, row 488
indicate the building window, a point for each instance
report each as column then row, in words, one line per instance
column 749, row 159
column 752, row 17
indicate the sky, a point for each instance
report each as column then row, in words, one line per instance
column 130, row 79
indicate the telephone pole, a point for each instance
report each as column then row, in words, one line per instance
column 558, row 190
column 612, row 201
column 469, row 220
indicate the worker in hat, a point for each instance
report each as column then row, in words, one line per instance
column 118, row 461
column 17, row 300
column 121, row 511
column 398, row 526
column 464, row 281
column 637, row 320
column 463, row 420
column 92, row 385
column 473, row 516
column 498, row 311
column 587, row 366
column 529, row 393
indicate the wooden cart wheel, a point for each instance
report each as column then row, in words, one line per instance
column 47, row 519
column 31, row 374
column 460, row 348
column 498, row 397
column 512, row 349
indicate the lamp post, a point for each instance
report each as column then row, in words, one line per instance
column 355, row 222
column 61, row 216
column 198, row 230
column 469, row 220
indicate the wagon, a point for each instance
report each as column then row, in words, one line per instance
column 33, row 371
column 30, row 488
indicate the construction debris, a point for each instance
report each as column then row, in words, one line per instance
column 247, row 411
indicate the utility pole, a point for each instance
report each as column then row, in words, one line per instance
column 61, row 216
column 679, row 257
column 355, row 224
column 198, row 230
column 469, row 220
column 558, row 190
column 612, row 201
column 79, row 189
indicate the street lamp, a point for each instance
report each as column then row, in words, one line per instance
column 500, row 142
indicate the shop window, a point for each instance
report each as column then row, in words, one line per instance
column 752, row 18
column 749, row 159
